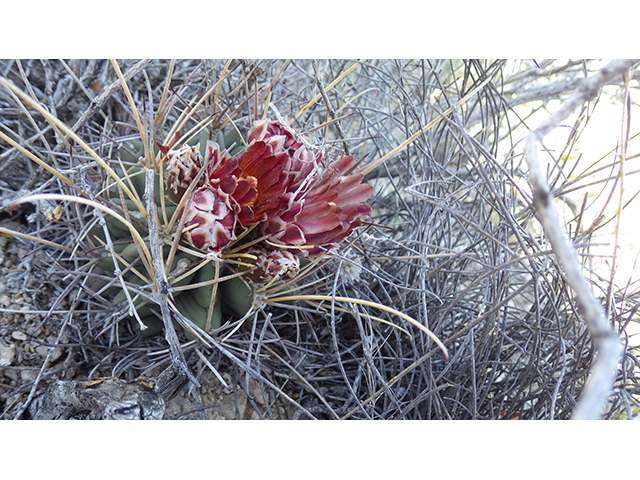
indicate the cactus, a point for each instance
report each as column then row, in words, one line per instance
column 252, row 210
column 252, row 206
column 193, row 304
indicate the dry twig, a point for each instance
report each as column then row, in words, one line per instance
column 607, row 343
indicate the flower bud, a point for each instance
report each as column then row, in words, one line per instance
column 273, row 265
column 182, row 167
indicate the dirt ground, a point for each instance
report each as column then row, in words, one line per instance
column 26, row 341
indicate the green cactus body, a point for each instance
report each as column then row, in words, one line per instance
column 237, row 296
column 193, row 304
column 230, row 139
column 154, row 325
column 194, row 311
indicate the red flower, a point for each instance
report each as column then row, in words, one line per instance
column 265, row 166
column 305, row 160
column 211, row 218
column 279, row 185
column 279, row 164
column 223, row 170
column 325, row 214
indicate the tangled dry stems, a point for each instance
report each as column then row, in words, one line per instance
column 454, row 244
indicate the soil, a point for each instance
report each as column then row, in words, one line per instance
column 27, row 337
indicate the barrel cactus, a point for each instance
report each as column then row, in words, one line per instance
column 239, row 215
column 243, row 213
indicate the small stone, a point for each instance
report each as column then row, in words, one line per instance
column 256, row 392
column 7, row 355
column 56, row 354
column 29, row 375
column 43, row 351
column 18, row 335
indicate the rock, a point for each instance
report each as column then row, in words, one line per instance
column 7, row 354
column 256, row 392
column 18, row 335
column 105, row 398
column 43, row 350
column 29, row 375
column 5, row 300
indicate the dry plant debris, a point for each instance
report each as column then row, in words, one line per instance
column 445, row 300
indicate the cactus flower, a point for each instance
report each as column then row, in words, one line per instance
column 211, row 217
column 278, row 163
column 325, row 214
column 182, row 167
column 305, row 160
column 277, row 184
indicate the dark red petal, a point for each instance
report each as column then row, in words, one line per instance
column 246, row 192
column 273, row 226
column 334, row 236
column 228, row 166
column 311, row 224
column 228, row 184
column 249, row 158
column 291, row 213
column 342, row 165
column 163, row 148
column 258, row 131
column 292, row 236
column 358, row 194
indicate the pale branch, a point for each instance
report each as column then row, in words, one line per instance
column 519, row 94
column 160, row 279
column 116, row 267
column 606, row 342
column 98, row 102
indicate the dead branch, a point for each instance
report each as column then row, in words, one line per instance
column 607, row 343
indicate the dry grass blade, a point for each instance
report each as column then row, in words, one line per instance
column 91, row 203
column 368, row 304
column 54, row 121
